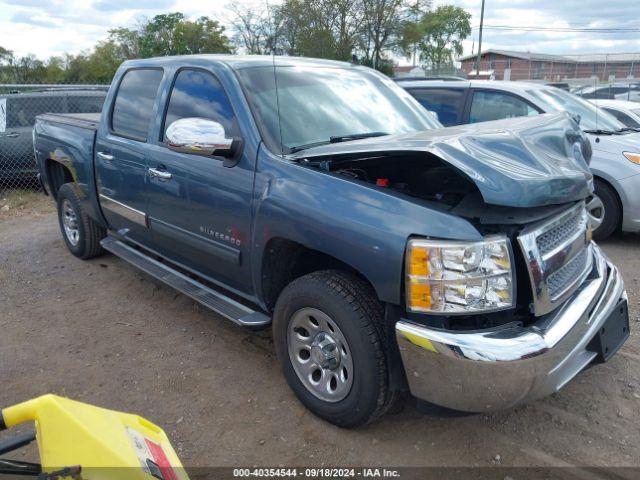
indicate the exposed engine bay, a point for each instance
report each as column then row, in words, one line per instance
column 428, row 178
column 413, row 174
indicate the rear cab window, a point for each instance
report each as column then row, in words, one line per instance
column 132, row 111
column 446, row 102
column 488, row 105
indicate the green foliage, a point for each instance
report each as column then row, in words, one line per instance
column 318, row 28
column 438, row 36
column 167, row 34
column 334, row 29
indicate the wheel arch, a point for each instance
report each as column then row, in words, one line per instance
column 57, row 175
column 285, row 260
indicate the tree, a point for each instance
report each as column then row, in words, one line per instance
column 381, row 23
column 439, row 35
column 257, row 28
column 173, row 34
column 414, row 11
column 320, row 28
column 6, row 56
column 127, row 41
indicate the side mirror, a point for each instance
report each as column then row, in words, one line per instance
column 200, row 136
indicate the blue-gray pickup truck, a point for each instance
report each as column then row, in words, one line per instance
column 388, row 254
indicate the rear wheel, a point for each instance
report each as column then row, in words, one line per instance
column 328, row 333
column 80, row 232
column 604, row 210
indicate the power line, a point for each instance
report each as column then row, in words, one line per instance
column 559, row 29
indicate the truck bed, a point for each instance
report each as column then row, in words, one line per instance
column 82, row 120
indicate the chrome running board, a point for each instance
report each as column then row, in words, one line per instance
column 210, row 298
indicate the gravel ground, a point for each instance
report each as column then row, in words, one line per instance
column 102, row 332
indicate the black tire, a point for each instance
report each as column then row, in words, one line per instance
column 612, row 211
column 89, row 233
column 352, row 305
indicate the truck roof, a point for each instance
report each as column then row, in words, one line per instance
column 237, row 62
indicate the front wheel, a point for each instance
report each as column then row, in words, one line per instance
column 328, row 334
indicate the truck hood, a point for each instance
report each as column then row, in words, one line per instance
column 519, row 162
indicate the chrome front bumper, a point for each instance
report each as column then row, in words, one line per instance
column 499, row 368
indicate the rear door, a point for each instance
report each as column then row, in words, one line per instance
column 486, row 105
column 121, row 162
column 200, row 213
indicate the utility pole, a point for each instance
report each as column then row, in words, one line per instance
column 480, row 41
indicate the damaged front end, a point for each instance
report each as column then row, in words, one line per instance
column 493, row 323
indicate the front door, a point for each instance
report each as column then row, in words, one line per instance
column 121, row 163
column 200, row 209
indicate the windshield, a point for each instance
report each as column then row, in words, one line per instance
column 318, row 103
column 591, row 117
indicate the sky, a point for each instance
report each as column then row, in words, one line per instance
column 52, row 27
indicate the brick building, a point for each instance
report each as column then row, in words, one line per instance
column 512, row 65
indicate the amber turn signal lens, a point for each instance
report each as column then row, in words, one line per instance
column 418, row 261
column 419, row 295
column 632, row 157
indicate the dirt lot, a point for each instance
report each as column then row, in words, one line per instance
column 102, row 332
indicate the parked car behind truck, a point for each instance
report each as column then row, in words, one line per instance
column 385, row 252
column 616, row 148
column 17, row 116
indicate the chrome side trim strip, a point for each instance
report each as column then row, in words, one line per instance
column 130, row 213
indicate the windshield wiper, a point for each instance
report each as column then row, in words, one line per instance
column 337, row 139
column 599, row 131
column 355, row 136
column 628, row 129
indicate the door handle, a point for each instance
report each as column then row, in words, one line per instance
column 105, row 156
column 159, row 174
column 12, row 135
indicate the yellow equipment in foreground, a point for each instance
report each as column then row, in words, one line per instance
column 81, row 441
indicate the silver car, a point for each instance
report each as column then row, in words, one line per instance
column 616, row 147
column 626, row 112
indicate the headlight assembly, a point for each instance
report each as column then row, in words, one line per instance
column 454, row 277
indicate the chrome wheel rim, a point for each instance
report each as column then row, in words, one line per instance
column 320, row 354
column 70, row 223
column 596, row 212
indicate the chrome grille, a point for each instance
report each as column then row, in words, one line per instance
column 558, row 256
column 560, row 234
column 562, row 278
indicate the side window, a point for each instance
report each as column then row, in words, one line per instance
column 493, row 105
column 197, row 93
column 623, row 117
column 133, row 106
column 446, row 102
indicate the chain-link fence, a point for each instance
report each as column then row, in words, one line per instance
column 19, row 106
